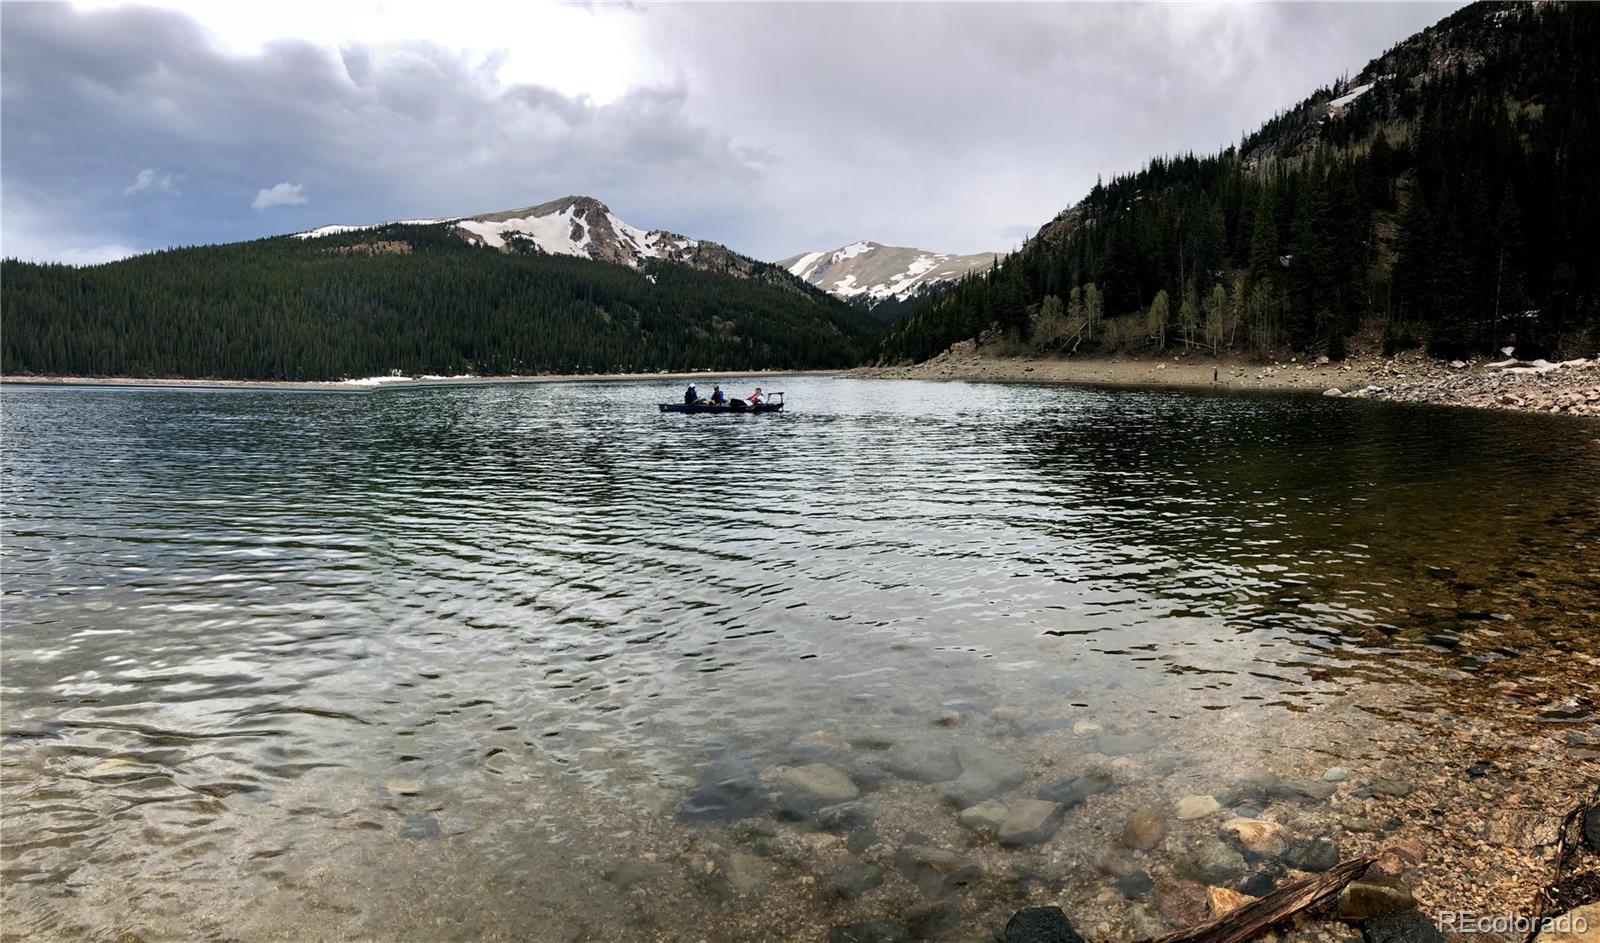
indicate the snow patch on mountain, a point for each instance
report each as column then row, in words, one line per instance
column 874, row 272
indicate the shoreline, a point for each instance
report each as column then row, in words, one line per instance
column 1572, row 388
column 373, row 384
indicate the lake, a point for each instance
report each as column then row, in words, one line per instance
column 538, row 662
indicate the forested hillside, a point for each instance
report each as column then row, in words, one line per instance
column 416, row 298
column 1447, row 195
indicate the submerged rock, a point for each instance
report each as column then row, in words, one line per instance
column 1335, row 774
column 1197, row 807
column 1210, row 861
column 1135, row 886
column 931, row 920
column 1072, row 790
column 1145, row 828
column 1374, row 897
column 852, row 883
column 1258, row 838
column 870, row 931
column 1030, row 821
column 1122, row 744
column 803, row 790
column 419, row 825
column 984, row 774
column 1312, row 854
column 923, row 762
column 729, row 790
column 629, row 873
column 936, row 871
column 1040, row 925
column 1407, row 926
column 843, row 816
column 985, row 816
column 1220, row 900
column 1383, row 787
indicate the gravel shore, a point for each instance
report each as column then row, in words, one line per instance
column 1572, row 387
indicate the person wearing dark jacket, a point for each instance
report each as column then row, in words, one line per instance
column 691, row 396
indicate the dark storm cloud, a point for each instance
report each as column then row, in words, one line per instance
column 776, row 127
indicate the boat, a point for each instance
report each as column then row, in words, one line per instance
column 774, row 404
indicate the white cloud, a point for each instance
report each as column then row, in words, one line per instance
column 280, row 194
column 146, row 179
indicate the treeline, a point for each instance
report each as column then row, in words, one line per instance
column 410, row 298
column 1451, row 203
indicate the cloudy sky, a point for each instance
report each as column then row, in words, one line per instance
column 774, row 128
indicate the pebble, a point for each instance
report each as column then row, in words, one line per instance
column 403, row 787
column 1383, row 787
column 1335, row 774
column 843, row 816
column 1084, row 728
column 1145, row 828
column 1030, row 822
column 1040, row 925
column 1197, row 807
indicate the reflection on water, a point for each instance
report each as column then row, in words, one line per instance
column 476, row 641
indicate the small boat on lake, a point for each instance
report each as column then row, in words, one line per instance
column 774, row 404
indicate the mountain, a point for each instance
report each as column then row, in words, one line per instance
column 559, row 287
column 581, row 227
column 1445, row 196
column 870, row 274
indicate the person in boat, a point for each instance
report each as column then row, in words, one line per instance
column 755, row 398
column 691, row 396
column 718, row 398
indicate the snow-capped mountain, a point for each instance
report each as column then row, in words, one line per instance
column 873, row 273
column 578, row 226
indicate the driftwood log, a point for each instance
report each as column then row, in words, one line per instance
column 1256, row 917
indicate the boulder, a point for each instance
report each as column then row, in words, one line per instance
column 1040, row 925
column 1030, row 821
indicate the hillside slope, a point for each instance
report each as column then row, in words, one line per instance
column 424, row 297
column 1445, row 195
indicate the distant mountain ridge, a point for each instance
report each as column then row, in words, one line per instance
column 871, row 273
column 577, row 226
column 559, row 287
